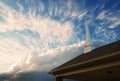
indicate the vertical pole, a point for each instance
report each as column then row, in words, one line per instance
column 58, row 79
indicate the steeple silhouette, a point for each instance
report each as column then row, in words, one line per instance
column 87, row 44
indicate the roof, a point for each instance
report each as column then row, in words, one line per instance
column 96, row 53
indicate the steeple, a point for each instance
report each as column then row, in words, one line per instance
column 87, row 45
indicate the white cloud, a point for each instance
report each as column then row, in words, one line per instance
column 35, row 66
column 48, row 29
column 110, row 35
column 115, row 24
column 114, row 20
column 10, row 52
column 109, row 17
column 102, row 15
column 48, row 60
column 20, row 7
column 80, row 16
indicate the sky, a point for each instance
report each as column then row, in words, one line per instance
column 38, row 35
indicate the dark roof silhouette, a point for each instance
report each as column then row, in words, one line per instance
column 99, row 56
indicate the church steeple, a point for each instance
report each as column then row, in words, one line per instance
column 87, row 44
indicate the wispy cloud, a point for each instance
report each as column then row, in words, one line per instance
column 110, row 18
column 102, row 15
column 46, row 27
column 107, row 34
column 116, row 24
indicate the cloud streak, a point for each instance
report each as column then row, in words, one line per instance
column 112, row 19
column 49, row 30
column 48, row 60
column 14, row 50
column 35, row 66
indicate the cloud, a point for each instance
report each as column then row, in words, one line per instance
column 108, row 35
column 50, row 30
column 5, row 76
column 29, row 76
column 54, row 25
column 98, row 43
column 32, row 76
column 117, row 23
column 102, row 15
column 110, row 18
column 35, row 66
column 52, row 33
column 50, row 59
column 9, row 49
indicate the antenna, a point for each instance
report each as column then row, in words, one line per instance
column 87, row 44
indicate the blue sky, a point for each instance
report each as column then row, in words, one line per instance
column 37, row 29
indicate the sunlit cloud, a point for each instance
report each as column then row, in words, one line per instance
column 42, row 63
column 49, row 29
column 38, row 64
column 46, row 61
column 11, row 51
column 37, row 36
column 50, row 32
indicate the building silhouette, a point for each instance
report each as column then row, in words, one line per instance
column 100, row 64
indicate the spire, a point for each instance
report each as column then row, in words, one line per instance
column 87, row 45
